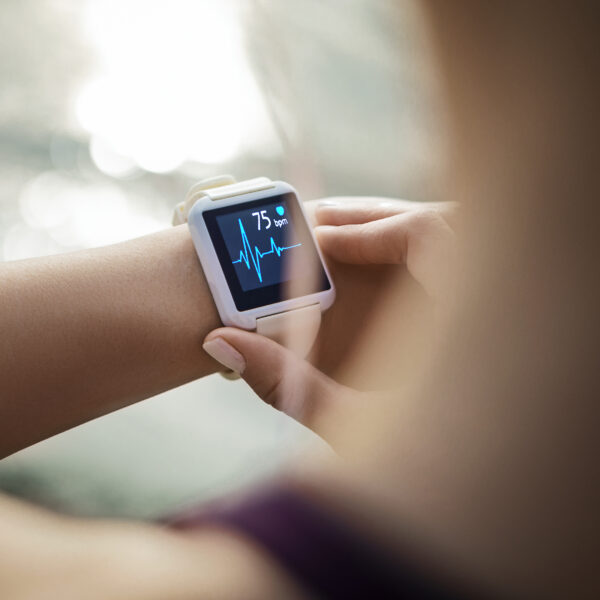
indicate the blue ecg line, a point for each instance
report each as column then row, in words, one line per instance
column 247, row 255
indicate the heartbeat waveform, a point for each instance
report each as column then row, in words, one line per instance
column 247, row 255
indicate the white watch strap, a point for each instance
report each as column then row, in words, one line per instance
column 295, row 329
column 217, row 188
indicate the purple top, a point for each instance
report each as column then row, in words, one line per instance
column 324, row 555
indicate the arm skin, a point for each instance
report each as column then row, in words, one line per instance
column 43, row 555
column 89, row 332
column 86, row 333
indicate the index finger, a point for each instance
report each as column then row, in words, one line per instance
column 356, row 211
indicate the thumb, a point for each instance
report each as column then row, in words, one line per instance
column 276, row 374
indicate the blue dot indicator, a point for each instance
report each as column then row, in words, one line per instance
column 280, row 210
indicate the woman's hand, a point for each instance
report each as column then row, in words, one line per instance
column 279, row 377
column 356, row 231
column 383, row 231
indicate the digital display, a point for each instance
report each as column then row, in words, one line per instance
column 266, row 251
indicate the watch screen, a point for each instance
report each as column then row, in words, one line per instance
column 266, row 251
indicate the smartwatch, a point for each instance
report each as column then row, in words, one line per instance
column 260, row 258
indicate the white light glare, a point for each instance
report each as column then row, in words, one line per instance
column 173, row 85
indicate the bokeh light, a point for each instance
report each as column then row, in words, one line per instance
column 74, row 214
column 172, row 85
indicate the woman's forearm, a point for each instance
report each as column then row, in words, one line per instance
column 85, row 333
column 46, row 555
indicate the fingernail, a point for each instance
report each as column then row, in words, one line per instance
column 325, row 203
column 226, row 354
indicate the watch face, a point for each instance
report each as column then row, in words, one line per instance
column 266, row 251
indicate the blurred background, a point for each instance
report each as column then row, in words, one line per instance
column 111, row 109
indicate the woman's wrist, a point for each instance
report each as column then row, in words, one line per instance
column 186, row 309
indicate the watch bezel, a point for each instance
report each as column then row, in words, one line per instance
column 224, row 300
